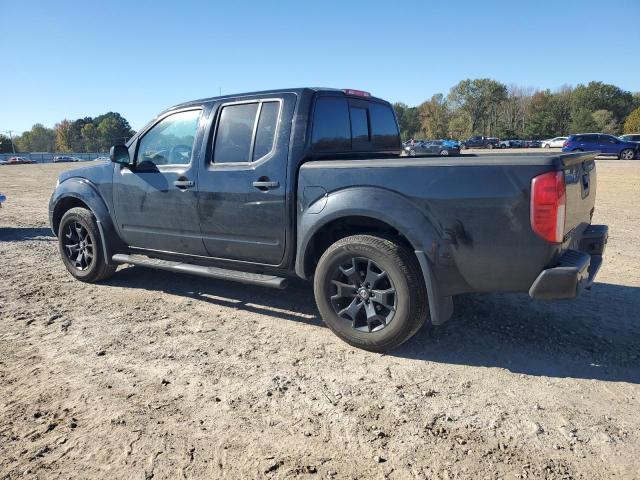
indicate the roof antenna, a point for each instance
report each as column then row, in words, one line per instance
column 219, row 91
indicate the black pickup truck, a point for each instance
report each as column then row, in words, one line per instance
column 307, row 182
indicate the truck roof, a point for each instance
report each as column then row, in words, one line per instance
column 298, row 91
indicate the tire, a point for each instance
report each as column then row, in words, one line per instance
column 546, row 145
column 577, row 150
column 358, row 318
column 626, row 154
column 412, row 153
column 79, row 227
column 444, row 153
column 503, row 146
column 490, row 146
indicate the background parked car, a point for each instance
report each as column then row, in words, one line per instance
column 432, row 147
column 512, row 143
column 630, row 137
column 64, row 158
column 556, row 142
column 479, row 141
column 606, row 144
column 532, row 143
column 2, row 199
column 19, row 161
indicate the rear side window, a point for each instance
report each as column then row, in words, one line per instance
column 266, row 130
column 235, row 140
column 384, row 130
column 331, row 126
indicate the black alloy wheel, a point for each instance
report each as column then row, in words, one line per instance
column 78, row 245
column 363, row 295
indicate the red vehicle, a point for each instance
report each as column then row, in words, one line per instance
column 19, row 161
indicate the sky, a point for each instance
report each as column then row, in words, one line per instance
column 71, row 59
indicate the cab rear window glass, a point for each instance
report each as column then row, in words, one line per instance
column 384, row 130
column 359, row 125
column 331, row 127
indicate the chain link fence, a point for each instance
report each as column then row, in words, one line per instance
column 47, row 157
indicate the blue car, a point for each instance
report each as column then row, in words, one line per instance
column 606, row 144
column 2, row 199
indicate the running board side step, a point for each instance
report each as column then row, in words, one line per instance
column 210, row 272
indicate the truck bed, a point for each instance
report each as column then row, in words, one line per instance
column 478, row 207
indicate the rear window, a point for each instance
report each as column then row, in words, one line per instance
column 342, row 126
column 384, row 130
column 331, row 128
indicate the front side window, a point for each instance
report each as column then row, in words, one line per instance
column 170, row 141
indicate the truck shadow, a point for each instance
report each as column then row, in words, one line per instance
column 595, row 337
column 18, row 234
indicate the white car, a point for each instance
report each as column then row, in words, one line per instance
column 554, row 142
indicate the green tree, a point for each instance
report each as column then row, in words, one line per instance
column 605, row 122
column 90, row 137
column 408, row 120
column 5, row 144
column 632, row 123
column 481, row 99
column 602, row 96
column 582, row 122
column 459, row 125
column 38, row 139
column 434, row 117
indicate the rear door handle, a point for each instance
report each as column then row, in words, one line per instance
column 266, row 184
column 184, row 183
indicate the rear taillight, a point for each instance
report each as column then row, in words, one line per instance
column 548, row 203
column 565, row 144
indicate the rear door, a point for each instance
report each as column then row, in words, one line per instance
column 609, row 144
column 242, row 183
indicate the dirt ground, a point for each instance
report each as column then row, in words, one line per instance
column 158, row 375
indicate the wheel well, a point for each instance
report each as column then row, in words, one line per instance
column 333, row 231
column 63, row 206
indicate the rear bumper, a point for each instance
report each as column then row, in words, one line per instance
column 576, row 269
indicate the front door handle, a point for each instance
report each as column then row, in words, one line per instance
column 265, row 184
column 184, row 184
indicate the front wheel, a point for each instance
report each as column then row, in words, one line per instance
column 412, row 153
column 444, row 153
column 490, row 146
column 546, row 145
column 370, row 292
column 80, row 246
column 627, row 154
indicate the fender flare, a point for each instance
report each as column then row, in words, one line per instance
column 391, row 208
column 83, row 190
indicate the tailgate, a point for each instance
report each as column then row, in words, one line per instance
column 580, row 183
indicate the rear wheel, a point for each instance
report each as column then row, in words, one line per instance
column 444, row 153
column 627, row 154
column 370, row 292
column 546, row 145
column 490, row 146
column 80, row 246
column 412, row 153
column 577, row 150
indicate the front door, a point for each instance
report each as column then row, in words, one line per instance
column 155, row 200
column 243, row 183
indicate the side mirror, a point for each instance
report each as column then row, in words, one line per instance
column 120, row 154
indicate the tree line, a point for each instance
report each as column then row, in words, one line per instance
column 82, row 135
column 487, row 107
